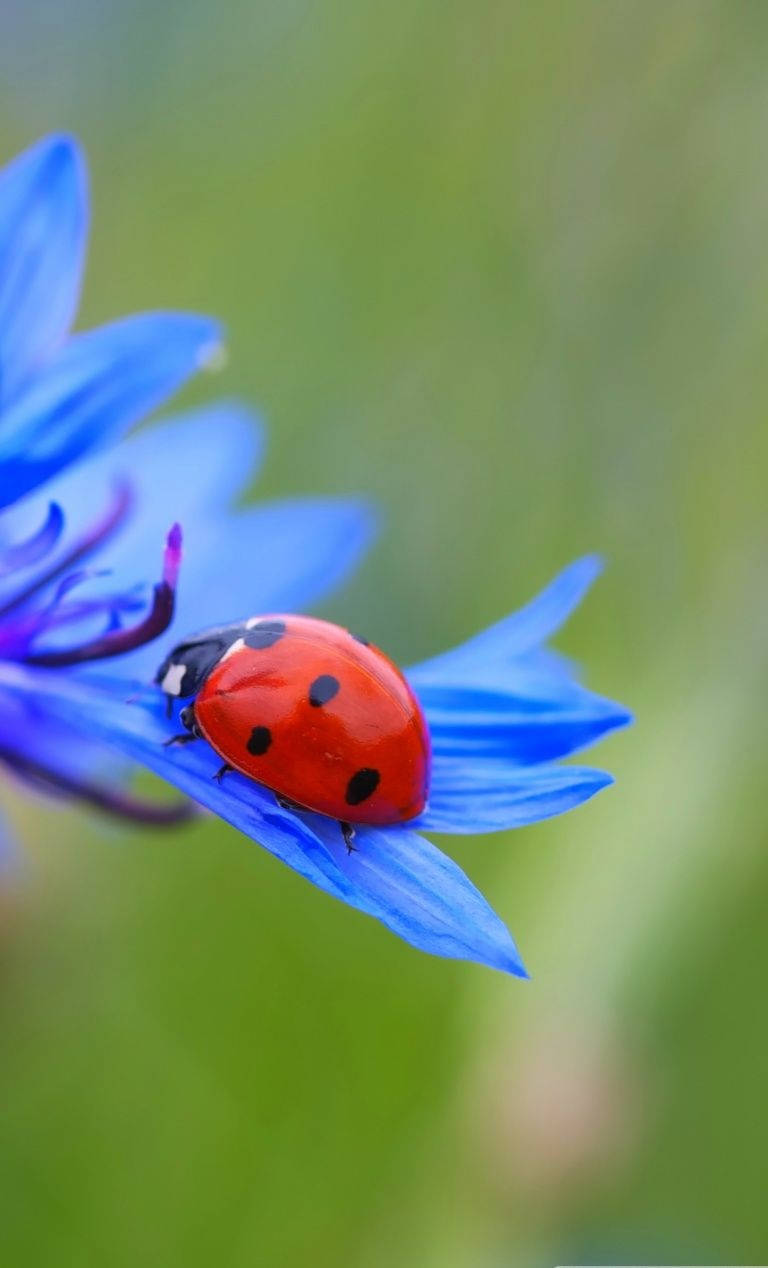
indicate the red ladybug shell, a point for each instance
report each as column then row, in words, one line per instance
column 320, row 717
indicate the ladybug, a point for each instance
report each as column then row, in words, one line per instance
column 314, row 713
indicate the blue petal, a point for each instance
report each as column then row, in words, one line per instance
column 421, row 895
column 28, row 728
column 501, row 695
column 43, row 233
column 490, row 795
column 395, row 875
column 278, row 556
column 94, row 390
column 474, row 722
column 482, row 657
column 191, row 466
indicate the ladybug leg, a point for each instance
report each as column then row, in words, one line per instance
column 187, row 719
column 222, row 771
column 286, row 804
column 185, row 738
column 168, row 706
column 348, row 833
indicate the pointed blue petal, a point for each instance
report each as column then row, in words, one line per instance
column 502, row 695
column 481, row 657
column 474, row 722
column 395, row 875
column 95, row 389
column 471, row 796
column 43, row 233
column 422, row 895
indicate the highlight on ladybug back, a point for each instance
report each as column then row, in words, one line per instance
column 309, row 710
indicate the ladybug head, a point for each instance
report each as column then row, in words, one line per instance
column 186, row 668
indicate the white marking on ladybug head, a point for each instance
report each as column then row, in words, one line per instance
column 253, row 620
column 171, row 683
column 237, row 646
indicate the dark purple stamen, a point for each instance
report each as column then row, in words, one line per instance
column 110, row 606
column 18, row 636
column 91, row 540
column 71, row 582
column 112, row 800
column 115, row 642
column 35, row 547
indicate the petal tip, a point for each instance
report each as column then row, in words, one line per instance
column 591, row 562
column 62, row 157
column 620, row 717
column 512, row 963
column 202, row 334
column 207, row 330
column 63, row 146
column 584, row 571
column 59, row 147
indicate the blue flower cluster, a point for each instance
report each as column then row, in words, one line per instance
column 84, row 526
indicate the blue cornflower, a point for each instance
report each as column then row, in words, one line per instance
column 80, row 530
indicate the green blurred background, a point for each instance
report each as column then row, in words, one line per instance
column 502, row 266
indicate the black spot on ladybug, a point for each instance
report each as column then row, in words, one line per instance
column 264, row 634
column 259, row 741
column 362, row 784
column 359, row 639
column 323, row 689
